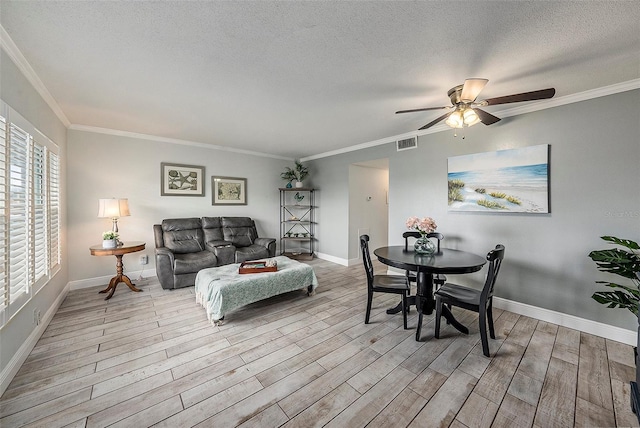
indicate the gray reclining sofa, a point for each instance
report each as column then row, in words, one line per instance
column 184, row 246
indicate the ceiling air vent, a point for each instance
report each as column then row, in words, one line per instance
column 407, row 143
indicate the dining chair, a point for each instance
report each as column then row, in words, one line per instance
column 394, row 284
column 480, row 301
column 438, row 279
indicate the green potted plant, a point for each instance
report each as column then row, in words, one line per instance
column 297, row 174
column 109, row 239
column 624, row 262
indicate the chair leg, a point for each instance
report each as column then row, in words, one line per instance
column 483, row 332
column 492, row 332
column 369, row 299
column 404, row 310
column 419, row 327
column 438, row 315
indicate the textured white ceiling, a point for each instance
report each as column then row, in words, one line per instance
column 300, row 78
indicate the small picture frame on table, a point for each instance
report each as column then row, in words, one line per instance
column 228, row 191
column 181, row 180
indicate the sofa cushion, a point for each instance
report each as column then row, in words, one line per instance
column 183, row 235
column 240, row 231
column 212, row 229
column 252, row 252
column 193, row 262
column 239, row 236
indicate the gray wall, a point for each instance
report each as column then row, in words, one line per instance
column 105, row 166
column 594, row 176
column 16, row 91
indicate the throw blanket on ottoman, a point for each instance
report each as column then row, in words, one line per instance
column 222, row 289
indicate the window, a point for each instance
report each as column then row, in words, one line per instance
column 29, row 211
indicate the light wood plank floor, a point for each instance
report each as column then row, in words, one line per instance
column 152, row 358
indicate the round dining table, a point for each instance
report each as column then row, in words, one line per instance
column 446, row 261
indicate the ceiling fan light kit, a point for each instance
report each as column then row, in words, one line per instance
column 465, row 107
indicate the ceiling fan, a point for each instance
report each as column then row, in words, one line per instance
column 464, row 109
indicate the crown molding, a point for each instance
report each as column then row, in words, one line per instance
column 7, row 44
column 514, row 111
column 149, row 137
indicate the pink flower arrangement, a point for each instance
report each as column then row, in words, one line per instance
column 423, row 225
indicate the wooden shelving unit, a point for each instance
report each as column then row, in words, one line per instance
column 297, row 222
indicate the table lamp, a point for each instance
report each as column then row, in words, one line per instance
column 114, row 209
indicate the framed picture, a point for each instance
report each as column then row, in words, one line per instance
column 515, row 181
column 181, row 180
column 229, row 191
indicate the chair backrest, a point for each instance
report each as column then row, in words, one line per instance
column 415, row 234
column 366, row 259
column 438, row 236
column 494, row 257
column 407, row 235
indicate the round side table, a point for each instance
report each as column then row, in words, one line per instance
column 125, row 248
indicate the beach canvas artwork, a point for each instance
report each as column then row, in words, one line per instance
column 515, row 180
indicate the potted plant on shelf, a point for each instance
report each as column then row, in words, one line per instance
column 297, row 174
column 109, row 239
column 624, row 262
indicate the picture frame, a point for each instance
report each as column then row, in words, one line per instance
column 503, row 181
column 228, row 191
column 181, row 180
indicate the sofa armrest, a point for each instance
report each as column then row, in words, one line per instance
column 164, row 267
column 268, row 243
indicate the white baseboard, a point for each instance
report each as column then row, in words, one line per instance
column 333, row 259
column 570, row 321
column 104, row 280
column 27, row 346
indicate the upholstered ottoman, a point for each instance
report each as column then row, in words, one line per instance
column 222, row 289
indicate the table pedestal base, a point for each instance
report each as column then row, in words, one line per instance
column 120, row 277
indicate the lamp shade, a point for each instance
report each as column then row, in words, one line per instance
column 113, row 208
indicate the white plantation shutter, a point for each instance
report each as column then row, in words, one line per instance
column 53, row 198
column 4, row 236
column 18, row 212
column 29, row 212
column 39, row 215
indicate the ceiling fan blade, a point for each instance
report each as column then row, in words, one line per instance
column 420, row 109
column 471, row 89
column 542, row 94
column 433, row 122
column 486, row 118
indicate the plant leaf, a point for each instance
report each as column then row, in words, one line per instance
column 617, row 261
column 616, row 299
column 624, row 242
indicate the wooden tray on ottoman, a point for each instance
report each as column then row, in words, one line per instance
column 256, row 266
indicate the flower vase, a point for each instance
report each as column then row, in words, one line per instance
column 424, row 245
column 109, row 243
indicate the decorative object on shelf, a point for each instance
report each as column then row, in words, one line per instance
column 297, row 174
column 228, row 191
column 181, row 180
column 109, row 239
column 298, row 197
column 425, row 225
column 625, row 263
